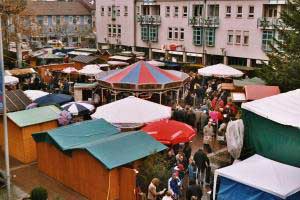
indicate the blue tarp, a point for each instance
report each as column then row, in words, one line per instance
column 54, row 99
column 232, row 190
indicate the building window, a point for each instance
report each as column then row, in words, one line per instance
column 251, row 12
column 118, row 11
column 109, row 11
column 144, row 33
column 230, row 37
column 176, row 11
column 102, row 10
column 181, row 37
column 58, row 20
column 45, row 20
column 170, row 33
column 267, row 40
column 167, row 11
column 125, row 10
column 184, row 11
column 197, row 36
column 40, row 20
column 228, row 11
column 246, row 38
column 109, row 30
column 197, row 10
column 114, row 30
column 210, row 37
column 239, row 13
column 153, row 33
column 138, row 10
column 119, row 31
column 175, row 34
column 238, row 37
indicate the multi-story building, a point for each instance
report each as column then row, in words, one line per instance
column 71, row 22
column 235, row 32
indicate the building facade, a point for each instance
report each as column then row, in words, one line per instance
column 70, row 22
column 234, row 32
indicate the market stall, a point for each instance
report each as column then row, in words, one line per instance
column 84, row 91
column 258, row 178
column 22, row 124
column 94, row 158
column 254, row 92
column 272, row 127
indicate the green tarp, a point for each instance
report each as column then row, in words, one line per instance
column 103, row 141
column 271, row 139
column 248, row 81
column 34, row 116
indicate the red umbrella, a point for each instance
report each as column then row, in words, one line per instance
column 170, row 132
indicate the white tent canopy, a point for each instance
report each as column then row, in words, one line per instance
column 132, row 110
column 220, row 70
column 35, row 94
column 264, row 174
column 156, row 63
column 283, row 108
column 69, row 70
column 90, row 70
column 11, row 80
column 117, row 63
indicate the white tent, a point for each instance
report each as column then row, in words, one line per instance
column 266, row 175
column 69, row 70
column 35, row 94
column 117, row 63
column 11, row 80
column 132, row 110
column 283, row 108
column 90, row 70
column 156, row 63
column 220, row 70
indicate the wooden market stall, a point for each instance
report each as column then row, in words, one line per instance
column 86, row 157
column 22, row 124
column 84, row 91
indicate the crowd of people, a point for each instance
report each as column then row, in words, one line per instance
column 208, row 109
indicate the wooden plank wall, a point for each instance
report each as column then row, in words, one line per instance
column 127, row 183
column 21, row 144
column 80, row 171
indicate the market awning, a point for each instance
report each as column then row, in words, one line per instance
column 227, row 86
column 282, row 108
column 19, row 72
column 16, row 100
column 254, row 92
column 79, row 53
column 156, row 63
column 117, row 63
column 84, row 59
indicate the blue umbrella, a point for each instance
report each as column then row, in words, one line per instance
column 54, row 99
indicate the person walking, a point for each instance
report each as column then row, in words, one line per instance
column 194, row 191
column 202, row 163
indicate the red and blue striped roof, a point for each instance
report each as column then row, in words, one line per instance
column 141, row 73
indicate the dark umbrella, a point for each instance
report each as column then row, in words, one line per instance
column 54, row 99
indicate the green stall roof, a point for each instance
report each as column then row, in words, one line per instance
column 248, row 81
column 34, row 116
column 103, row 141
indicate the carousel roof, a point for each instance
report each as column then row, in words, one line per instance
column 141, row 73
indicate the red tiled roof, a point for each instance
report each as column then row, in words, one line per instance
column 55, row 8
column 254, row 92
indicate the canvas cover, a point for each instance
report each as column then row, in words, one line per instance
column 261, row 175
column 234, row 137
column 132, row 110
column 220, row 70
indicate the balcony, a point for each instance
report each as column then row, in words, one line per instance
column 211, row 21
column 149, row 19
column 269, row 23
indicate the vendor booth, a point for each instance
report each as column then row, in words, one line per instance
column 16, row 100
column 22, row 124
column 272, row 127
column 94, row 158
column 258, row 178
column 84, row 91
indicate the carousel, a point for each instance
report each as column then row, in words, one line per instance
column 143, row 80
